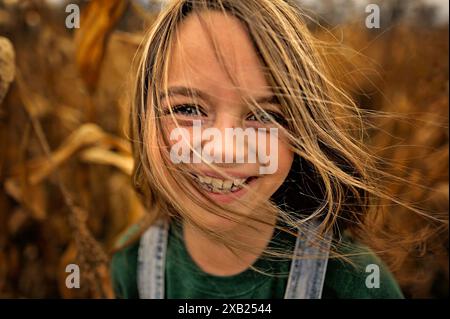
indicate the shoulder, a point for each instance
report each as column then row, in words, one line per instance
column 124, row 266
column 362, row 276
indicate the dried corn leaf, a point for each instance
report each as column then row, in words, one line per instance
column 30, row 194
column 97, row 21
column 100, row 155
column 7, row 66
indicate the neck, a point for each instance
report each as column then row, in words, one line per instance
column 218, row 259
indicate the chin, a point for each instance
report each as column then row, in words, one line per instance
column 218, row 223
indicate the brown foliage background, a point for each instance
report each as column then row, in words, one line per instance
column 65, row 160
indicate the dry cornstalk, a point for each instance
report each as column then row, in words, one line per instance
column 99, row 19
column 85, row 136
column 91, row 256
column 103, row 156
column 7, row 66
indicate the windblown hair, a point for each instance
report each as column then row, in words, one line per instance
column 333, row 178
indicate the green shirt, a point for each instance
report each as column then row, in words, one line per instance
column 184, row 279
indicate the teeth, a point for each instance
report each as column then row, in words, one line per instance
column 239, row 182
column 227, row 184
column 217, row 183
column 220, row 186
column 207, row 179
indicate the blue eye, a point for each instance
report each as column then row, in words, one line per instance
column 267, row 117
column 263, row 118
column 188, row 110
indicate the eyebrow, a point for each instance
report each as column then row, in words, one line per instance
column 185, row 91
column 269, row 99
column 196, row 93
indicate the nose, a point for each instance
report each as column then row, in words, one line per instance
column 219, row 142
column 226, row 120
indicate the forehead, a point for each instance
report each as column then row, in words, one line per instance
column 214, row 52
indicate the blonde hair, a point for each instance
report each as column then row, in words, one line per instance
column 325, row 128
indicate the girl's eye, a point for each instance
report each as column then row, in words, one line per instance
column 188, row 110
column 267, row 118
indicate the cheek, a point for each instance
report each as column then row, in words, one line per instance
column 169, row 127
column 271, row 182
column 285, row 159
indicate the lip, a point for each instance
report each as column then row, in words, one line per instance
column 225, row 175
column 229, row 197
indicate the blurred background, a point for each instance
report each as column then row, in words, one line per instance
column 65, row 160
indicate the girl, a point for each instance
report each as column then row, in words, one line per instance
column 223, row 229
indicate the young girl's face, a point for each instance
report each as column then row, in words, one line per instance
column 201, row 87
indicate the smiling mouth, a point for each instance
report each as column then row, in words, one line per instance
column 221, row 186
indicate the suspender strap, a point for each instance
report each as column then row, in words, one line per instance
column 308, row 268
column 306, row 276
column 151, row 261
